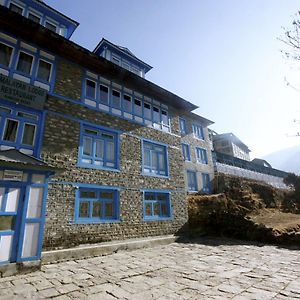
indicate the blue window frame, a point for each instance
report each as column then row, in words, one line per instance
column 186, row 152
column 20, row 129
column 96, row 205
column 98, row 148
column 206, row 185
column 182, row 125
column 198, row 131
column 192, row 181
column 201, row 155
column 155, row 159
column 157, row 205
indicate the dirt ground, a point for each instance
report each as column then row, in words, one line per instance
column 273, row 218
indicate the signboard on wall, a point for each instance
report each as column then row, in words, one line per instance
column 23, row 93
column 12, row 175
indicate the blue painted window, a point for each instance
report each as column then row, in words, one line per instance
column 198, row 131
column 19, row 129
column 192, row 181
column 201, row 155
column 155, row 159
column 182, row 124
column 34, row 67
column 98, row 148
column 90, row 89
column 206, row 186
column 156, row 205
column 96, row 205
column 186, row 152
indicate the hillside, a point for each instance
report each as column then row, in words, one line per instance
column 286, row 159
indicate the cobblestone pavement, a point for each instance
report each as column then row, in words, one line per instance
column 217, row 269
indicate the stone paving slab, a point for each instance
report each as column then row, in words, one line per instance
column 206, row 269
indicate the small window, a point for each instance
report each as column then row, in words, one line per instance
column 198, row 131
column 103, row 94
column 201, row 155
column 116, row 60
column 97, row 205
column 34, row 18
column 156, row 115
column 116, row 99
column 192, row 181
column 164, row 117
column 10, row 132
column 182, row 125
column 90, row 91
column 137, row 107
column 147, row 111
column 5, row 55
column 186, row 152
column 127, row 103
column 16, row 8
column 155, row 159
column 156, row 205
column 25, row 63
column 99, row 149
column 50, row 26
column 44, row 70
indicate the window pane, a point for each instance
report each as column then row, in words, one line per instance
column 149, row 196
column 96, row 210
column 87, row 194
column 5, row 54
column 84, row 209
column 16, row 8
column 108, row 209
column 137, row 107
column 24, row 63
column 127, row 105
column 162, row 197
column 89, row 131
column 5, row 110
column 147, row 160
column 90, row 89
column 50, row 26
column 44, row 70
column 161, row 162
column 34, row 18
column 110, row 151
column 116, row 99
column 87, row 146
column 28, row 135
column 147, row 111
column 164, row 116
column 103, row 94
column 156, row 209
column 106, row 195
column 164, row 210
column 10, row 132
column 27, row 116
column 99, row 149
column 156, row 115
column 148, row 209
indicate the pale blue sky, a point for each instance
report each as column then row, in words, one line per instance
column 222, row 55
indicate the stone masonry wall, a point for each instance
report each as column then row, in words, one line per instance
column 60, row 149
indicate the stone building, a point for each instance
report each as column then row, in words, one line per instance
column 90, row 150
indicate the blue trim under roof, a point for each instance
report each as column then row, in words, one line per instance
column 122, row 51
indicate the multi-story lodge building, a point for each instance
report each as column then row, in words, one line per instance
column 90, row 150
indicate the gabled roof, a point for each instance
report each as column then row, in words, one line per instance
column 122, row 50
column 231, row 137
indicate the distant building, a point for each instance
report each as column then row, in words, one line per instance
column 228, row 143
column 261, row 162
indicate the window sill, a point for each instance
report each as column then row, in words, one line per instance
column 155, row 175
column 157, row 219
column 90, row 222
column 95, row 167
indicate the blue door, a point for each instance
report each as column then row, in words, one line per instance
column 11, row 206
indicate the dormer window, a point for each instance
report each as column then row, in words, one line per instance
column 16, row 8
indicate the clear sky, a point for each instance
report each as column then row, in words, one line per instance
column 222, row 55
